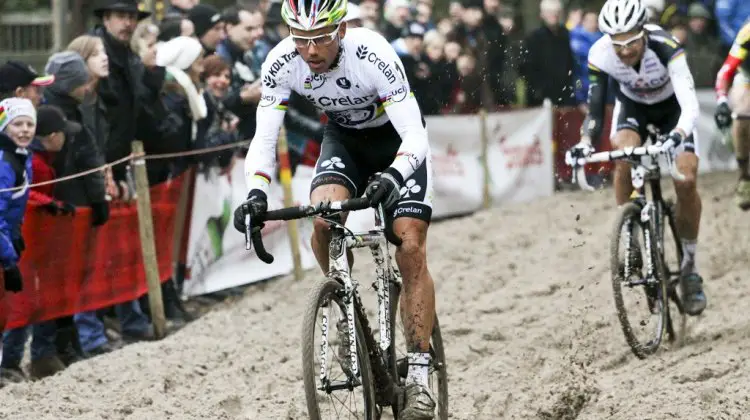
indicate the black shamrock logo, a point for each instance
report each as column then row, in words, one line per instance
column 361, row 52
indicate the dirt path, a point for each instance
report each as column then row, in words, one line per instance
column 525, row 302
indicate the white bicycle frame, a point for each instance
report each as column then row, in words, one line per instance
column 386, row 273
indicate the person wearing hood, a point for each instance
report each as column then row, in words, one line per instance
column 17, row 126
column 81, row 153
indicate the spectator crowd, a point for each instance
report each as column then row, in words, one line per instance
column 192, row 81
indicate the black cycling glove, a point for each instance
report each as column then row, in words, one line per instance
column 723, row 116
column 256, row 205
column 385, row 189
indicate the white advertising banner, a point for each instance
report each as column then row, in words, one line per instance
column 520, row 155
column 217, row 258
column 456, row 151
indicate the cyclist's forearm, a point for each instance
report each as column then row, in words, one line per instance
column 407, row 120
column 684, row 90
column 260, row 162
column 597, row 99
column 727, row 72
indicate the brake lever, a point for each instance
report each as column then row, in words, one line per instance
column 580, row 175
column 248, row 233
column 673, row 170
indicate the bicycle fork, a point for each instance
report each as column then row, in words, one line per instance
column 339, row 270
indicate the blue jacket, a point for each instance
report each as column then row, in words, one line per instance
column 15, row 171
column 580, row 43
column 731, row 15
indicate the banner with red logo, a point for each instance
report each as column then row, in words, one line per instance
column 520, row 155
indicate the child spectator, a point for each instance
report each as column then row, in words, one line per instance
column 17, row 126
column 51, row 132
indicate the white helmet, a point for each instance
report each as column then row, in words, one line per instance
column 619, row 16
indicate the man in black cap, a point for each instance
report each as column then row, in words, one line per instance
column 22, row 81
column 132, row 89
column 209, row 26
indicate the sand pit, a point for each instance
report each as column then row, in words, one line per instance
column 525, row 304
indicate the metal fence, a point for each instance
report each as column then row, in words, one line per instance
column 28, row 37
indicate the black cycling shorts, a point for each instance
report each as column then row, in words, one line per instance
column 349, row 157
column 635, row 116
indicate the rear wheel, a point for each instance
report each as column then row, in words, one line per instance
column 640, row 299
column 340, row 395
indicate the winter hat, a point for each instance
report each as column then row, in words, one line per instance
column 178, row 52
column 413, row 29
column 51, row 119
column 70, row 71
column 12, row 108
column 204, row 17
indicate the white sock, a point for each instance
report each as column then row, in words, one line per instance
column 689, row 265
column 419, row 364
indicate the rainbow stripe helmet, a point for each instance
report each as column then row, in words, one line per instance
column 309, row 15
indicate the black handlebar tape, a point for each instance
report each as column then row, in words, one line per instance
column 289, row 213
column 260, row 249
column 354, row 204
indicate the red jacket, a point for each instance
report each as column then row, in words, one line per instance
column 42, row 170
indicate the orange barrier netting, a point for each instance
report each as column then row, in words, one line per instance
column 69, row 266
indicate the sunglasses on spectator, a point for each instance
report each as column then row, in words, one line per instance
column 628, row 43
column 317, row 40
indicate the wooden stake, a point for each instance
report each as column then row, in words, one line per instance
column 285, row 175
column 486, row 197
column 148, row 245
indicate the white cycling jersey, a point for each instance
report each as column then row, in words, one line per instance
column 663, row 72
column 367, row 87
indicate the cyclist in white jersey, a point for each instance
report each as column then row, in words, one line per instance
column 655, row 87
column 374, row 126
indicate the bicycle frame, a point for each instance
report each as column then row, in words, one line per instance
column 645, row 169
column 343, row 239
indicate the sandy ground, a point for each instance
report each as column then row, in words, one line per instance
column 525, row 302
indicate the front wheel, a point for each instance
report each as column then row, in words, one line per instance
column 333, row 392
column 640, row 295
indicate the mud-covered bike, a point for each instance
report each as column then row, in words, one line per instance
column 648, row 221
column 376, row 368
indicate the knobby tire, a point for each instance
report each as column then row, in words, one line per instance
column 322, row 291
column 631, row 212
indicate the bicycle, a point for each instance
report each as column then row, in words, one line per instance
column 650, row 216
column 366, row 363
